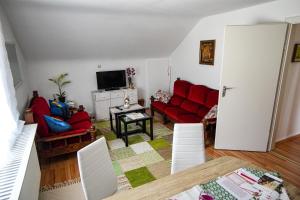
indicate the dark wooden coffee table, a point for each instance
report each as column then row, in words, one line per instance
column 115, row 112
column 141, row 126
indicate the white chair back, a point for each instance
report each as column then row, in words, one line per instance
column 188, row 146
column 96, row 171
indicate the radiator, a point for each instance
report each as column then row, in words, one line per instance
column 20, row 179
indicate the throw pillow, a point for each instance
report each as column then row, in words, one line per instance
column 59, row 109
column 212, row 113
column 162, row 96
column 57, row 125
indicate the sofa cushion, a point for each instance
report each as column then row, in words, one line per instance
column 79, row 117
column 212, row 98
column 189, row 118
column 59, row 108
column 40, row 106
column 181, row 88
column 202, row 112
column 57, row 125
column 174, row 112
column 160, row 106
column 176, row 100
column 198, row 94
column 42, row 128
column 189, row 106
column 82, row 125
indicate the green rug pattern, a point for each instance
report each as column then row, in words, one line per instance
column 143, row 160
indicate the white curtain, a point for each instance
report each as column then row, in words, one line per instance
column 9, row 125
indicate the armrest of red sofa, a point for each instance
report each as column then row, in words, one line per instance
column 28, row 116
column 152, row 99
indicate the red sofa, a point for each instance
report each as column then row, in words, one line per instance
column 52, row 144
column 189, row 103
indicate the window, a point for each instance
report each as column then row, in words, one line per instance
column 14, row 64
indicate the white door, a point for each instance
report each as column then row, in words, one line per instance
column 251, row 67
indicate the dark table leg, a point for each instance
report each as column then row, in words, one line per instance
column 151, row 128
column 126, row 134
column 111, row 121
column 117, row 125
column 144, row 126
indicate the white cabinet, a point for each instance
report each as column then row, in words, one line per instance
column 104, row 99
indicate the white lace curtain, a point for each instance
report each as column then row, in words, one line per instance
column 8, row 105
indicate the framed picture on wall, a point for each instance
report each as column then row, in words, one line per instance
column 207, row 52
column 296, row 54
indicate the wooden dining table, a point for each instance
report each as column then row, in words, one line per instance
column 170, row 185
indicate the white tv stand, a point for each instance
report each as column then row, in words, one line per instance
column 102, row 100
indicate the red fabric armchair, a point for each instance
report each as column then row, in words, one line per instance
column 53, row 144
column 189, row 103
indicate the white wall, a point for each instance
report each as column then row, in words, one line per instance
column 22, row 90
column 185, row 58
column 289, row 117
column 157, row 76
column 82, row 73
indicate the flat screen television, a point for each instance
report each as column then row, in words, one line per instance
column 110, row 80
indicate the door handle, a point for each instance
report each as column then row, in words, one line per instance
column 225, row 89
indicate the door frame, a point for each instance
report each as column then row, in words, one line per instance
column 288, row 49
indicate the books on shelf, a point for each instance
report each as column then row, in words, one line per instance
column 135, row 115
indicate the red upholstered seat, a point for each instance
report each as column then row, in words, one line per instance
column 198, row 94
column 181, row 88
column 158, row 105
column 79, row 117
column 40, row 108
column 202, row 112
column 176, row 100
column 189, row 103
column 189, row 118
column 82, row 125
column 212, row 98
column 189, row 106
column 174, row 112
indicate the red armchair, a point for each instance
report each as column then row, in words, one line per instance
column 53, row 144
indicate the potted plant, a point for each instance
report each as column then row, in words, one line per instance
column 60, row 82
column 130, row 74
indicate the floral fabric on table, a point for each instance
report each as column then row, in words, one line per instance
column 162, row 96
column 212, row 113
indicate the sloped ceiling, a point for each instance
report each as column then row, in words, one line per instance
column 112, row 29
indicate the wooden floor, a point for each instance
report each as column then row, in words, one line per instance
column 285, row 159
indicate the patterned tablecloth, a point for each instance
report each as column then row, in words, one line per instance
column 219, row 193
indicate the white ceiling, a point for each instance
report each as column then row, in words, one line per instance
column 111, row 29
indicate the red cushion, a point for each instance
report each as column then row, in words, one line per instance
column 212, row 98
column 158, row 105
column 189, row 118
column 42, row 129
column 202, row 111
column 190, row 106
column 174, row 112
column 198, row 94
column 181, row 88
column 176, row 100
column 82, row 125
column 40, row 105
column 40, row 108
column 78, row 117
